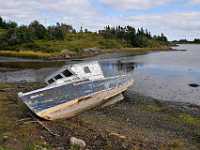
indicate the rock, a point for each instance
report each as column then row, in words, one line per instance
column 79, row 142
column 5, row 137
column 194, row 85
column 91, row 50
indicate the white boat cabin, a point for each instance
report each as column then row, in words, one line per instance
column 76, row 72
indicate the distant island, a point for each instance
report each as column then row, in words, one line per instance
column 185, row 41
column 36, row 40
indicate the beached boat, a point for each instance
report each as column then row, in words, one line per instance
column 73, row 89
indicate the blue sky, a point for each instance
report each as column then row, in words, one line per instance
column 176, row 18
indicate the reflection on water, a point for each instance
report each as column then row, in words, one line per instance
column 14, row 59
column 109, row 68
column 27, row 75
column 117, row 67
column 168, row 75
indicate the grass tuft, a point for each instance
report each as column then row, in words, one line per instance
column 186, row 118
column 4, row 86
column 177, row 144
column 74, row 147
column 26, row 54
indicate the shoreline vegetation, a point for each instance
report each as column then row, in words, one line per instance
column 73, row 55
column 63, row 41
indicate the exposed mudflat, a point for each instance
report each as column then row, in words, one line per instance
column 137, row 123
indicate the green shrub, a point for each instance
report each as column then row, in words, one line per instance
column 110, row 43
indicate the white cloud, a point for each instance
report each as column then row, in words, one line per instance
column 83, row 13
column 179, row 21
column 175, row 25
column 196, row 1
column 25, row 11
column 134, row 4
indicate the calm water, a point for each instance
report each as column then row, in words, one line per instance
column 14, row 59
column 162, row 75
column 167, row 75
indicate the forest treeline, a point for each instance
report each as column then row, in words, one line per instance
column 15, row 37
column 133, row 37
column 185, row 41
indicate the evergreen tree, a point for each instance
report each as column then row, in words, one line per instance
column 38, row 31
column 1, row 22
column 56, row 32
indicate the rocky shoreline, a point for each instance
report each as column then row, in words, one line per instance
column 85, row 53
column 138, row 122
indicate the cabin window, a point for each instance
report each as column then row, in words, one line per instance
column 87, row 70
column 50, row 81
column 67, row 73
column 58, row 77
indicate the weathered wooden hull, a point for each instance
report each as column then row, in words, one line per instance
column 73, row 108
column 56, row 108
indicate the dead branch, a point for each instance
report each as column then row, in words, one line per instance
column 35, row 120
column 47, row 129
column 22, row 120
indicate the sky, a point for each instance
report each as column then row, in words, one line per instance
column 178, row 19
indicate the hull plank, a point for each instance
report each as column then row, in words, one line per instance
column 68, row 111
column 59, row 101
column 113, row 100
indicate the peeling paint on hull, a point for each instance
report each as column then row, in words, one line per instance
column 69, row 100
